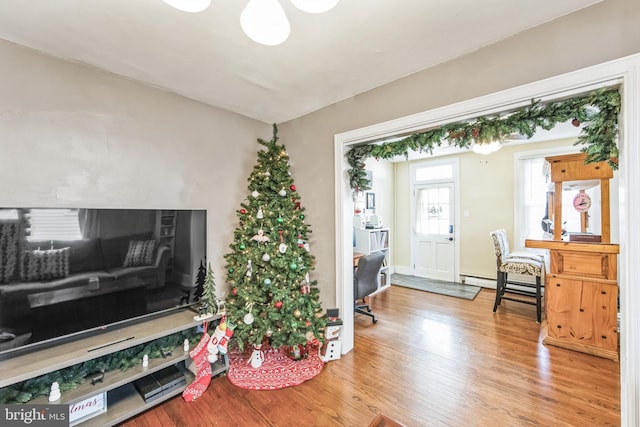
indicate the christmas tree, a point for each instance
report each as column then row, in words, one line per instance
column 268, row 267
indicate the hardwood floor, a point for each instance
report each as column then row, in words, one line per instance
column 431, row 360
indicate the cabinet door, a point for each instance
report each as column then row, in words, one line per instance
column 583, row 312
column 562, row 301
column 603, row 301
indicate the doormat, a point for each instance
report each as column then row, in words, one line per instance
column 450, row 289
column 278, row 370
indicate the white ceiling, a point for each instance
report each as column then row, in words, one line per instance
column 355, row 47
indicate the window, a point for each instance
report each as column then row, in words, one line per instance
column 533, row 195
column 53, row 224
column 434, row 173
column 433, row 209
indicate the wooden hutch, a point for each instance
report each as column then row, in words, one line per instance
column 581, row 288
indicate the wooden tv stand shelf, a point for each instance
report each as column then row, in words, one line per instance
column 123, row 401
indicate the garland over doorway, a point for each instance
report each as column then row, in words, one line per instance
column 597, row 110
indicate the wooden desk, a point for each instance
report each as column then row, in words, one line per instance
column 356, row 258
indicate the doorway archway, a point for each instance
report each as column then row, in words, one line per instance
column 624, row 72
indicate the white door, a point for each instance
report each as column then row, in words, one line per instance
column 433, row 231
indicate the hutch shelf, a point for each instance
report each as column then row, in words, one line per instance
column 581, row 288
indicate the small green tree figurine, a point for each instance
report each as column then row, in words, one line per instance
column 268, row 267
column 200, row 278
column 208, row 302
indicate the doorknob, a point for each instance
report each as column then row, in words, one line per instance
column 451, row 239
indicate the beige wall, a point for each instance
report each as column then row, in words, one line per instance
column 73, row 136
column 486, row 191
column 605, row 31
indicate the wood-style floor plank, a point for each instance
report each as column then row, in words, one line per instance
column 431, row 360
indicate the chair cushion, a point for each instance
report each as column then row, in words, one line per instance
column 526, row 255
column 526, row 266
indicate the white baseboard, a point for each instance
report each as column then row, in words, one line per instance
column 401, row 269
column 478, row 281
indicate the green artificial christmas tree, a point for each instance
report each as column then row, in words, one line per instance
column 271, row 295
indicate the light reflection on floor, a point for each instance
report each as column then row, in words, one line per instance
column 437, row 337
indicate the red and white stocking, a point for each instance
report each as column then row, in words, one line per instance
column 224, row 341
column 212, row 345
column 203, row 370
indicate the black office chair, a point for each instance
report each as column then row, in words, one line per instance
column 366, row 279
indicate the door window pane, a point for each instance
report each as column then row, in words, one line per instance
column 432, row 210
column 431, row 173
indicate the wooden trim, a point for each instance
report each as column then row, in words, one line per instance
column 570, row 345
column 605, row 211
column 557, row 212
column 607, row 248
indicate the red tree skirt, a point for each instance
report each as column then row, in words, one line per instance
column 277, row 371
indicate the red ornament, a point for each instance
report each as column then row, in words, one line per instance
column 292, row 187
column 278, row 304
column 475, row 132
column 308, row 323
column 234, row 291
column 575, row 122
column 243, row 211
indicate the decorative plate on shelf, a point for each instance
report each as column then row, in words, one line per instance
column 582, row 202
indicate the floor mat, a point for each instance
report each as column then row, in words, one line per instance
column 451, row 289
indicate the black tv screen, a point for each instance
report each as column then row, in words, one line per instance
column 69, row 271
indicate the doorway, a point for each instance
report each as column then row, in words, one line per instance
column 434, row 214
column 624, row 72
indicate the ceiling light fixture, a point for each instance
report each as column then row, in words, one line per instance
column 265, row 22
column 314, row 6
column 486, row 148
column 193, row 6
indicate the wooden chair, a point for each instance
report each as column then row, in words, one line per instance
column 525, row 263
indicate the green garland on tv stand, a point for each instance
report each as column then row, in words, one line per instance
column 69, row 378
column 597, row 111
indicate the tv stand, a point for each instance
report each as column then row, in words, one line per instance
column 122, row 399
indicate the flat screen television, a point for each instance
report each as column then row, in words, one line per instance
column 68, row 272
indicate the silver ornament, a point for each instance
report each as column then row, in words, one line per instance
column 248, row 319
